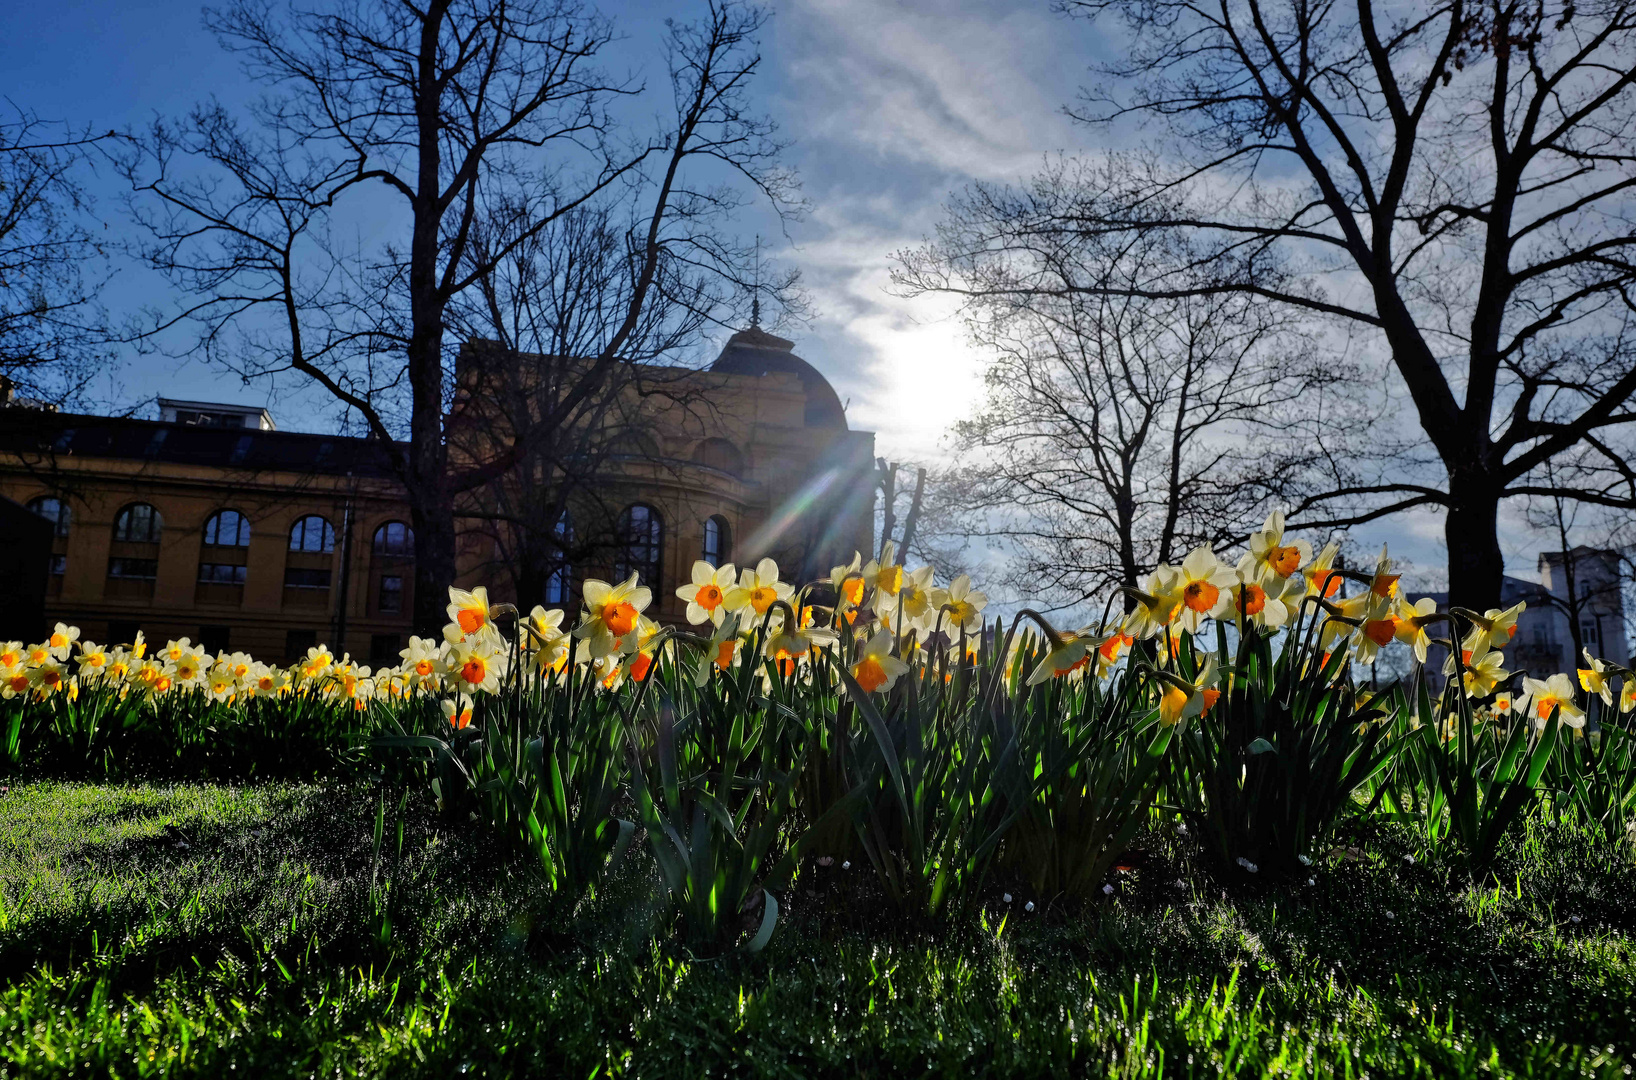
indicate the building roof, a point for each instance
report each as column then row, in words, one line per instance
column 756, row 352
column 28, row 432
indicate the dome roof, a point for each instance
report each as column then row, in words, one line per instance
column 756, row 352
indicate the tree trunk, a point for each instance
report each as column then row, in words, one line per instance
column 1476, row 565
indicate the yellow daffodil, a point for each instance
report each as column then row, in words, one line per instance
column 468, row 613
column 876, row 669
column 757, row 590
column 1485, row 674
column 1594, row 679
column 457, row 711
column 612, row 613
column 1409, row 622
column 1181, row 699
column 706, row 594
column 1557, row 692
column 472, row 668
column 885, row 576
column 1205, row 584
column 547, row 641
column 423, row 661
column 962, row 605
column 1158, row 604
column 1270, row 561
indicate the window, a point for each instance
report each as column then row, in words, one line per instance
column 133, row 569
column 1590, row 632
column 138, row 523
column 227, row 528
column 297, row 642
column 304, row 577
column 213, row 639
column 717, row 543
column 641, row 545
column 53, row 510
column 395, row 539
column 221, row 574
column 312, row 533
column 559, row 586
column 391, row 598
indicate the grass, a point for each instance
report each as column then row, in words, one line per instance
column 197, row 930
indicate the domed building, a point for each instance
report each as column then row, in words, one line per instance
column 212, row 524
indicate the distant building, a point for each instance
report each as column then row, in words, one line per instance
column 1544, row 642
column 212, row 524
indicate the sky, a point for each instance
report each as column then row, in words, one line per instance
column 891, row 107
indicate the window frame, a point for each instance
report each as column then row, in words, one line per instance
column 625, row 561
column 326, row 536
column 156, row 524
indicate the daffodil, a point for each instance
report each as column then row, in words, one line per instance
column 757, row 590
column 47, row 678
column 473, row 668
column 468, row 613
column 1485, row 674
column 1557, row 693
column 612, row 614
column 785, row 647
column 1270, row 562
column 547, row 640
column 721, row 653
column 93, row 660
column 1071, row 652
column 885, row 576
column 1180, row 699
column 1409, row 622
column 457, row 711
column 706, row 594
column 1262, row 605
column 1205, row 584
column 876, row 669
column 847, row 581
column 62, row 639
column 962, row 604
column 1321, row 576
column 1157, row 603
column 423, row 661
column 917, row 605
column 1594, row 679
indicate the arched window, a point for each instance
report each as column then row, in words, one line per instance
column 312, row 533
column 559, row 586
column 641, row 545
column 719, row 454
column 138, row 523
column 53, row 510
column 718, row 541
column 222, row 567
column 395, row 540
column 227, row 528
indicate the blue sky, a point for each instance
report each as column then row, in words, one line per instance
column 892, row 106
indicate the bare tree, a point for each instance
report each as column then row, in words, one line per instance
column 485, row 124
column 537, row 320
column 52, row 330
column 1119, row 431
column 1453, row 178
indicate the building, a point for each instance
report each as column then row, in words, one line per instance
column 212, row 524
column 1544, row 642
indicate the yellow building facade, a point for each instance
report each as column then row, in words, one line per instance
column 212, row 525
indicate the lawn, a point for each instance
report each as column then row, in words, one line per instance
column 207, row 930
